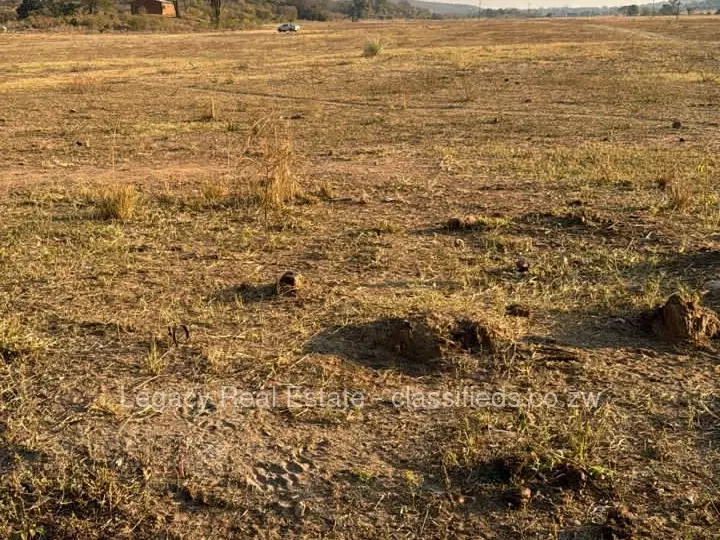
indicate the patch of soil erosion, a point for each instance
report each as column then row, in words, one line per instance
column 416, row 345
column 682, row 320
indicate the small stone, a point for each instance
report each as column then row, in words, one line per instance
column 677, row 124
column 522, row 266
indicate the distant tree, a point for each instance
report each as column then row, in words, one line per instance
column 288, row 13
column 94, row 6
column 178, row 12
column 216, row 12
column 362, row 9
column 28, row 6
column 633, row 10
column 675, row 6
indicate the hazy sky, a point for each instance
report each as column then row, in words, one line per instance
column 549, row 3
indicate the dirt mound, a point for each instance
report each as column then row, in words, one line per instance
column 682, row 319
column 416, row 344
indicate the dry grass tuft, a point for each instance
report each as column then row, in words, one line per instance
column 679, row 196
column 372, row 48
column 16, row 341
column 272, row 165
column 118, row 202
column 153, row 362
column 215, row 191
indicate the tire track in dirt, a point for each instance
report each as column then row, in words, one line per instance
column 428, row 108
column 640, row 33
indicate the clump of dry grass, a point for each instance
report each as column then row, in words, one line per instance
column 469, row 87
column 214, row 191
column 16, row 342
column 679, row 196
column 273, row 163
column 372, row 48
column 212, row 113
column 118, row 202
column 83, row 83
column 153, row 362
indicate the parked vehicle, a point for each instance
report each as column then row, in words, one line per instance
column 288, row 27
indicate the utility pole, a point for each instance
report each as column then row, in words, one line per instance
column 479, row 8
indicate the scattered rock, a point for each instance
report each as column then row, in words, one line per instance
column 569, row 476
column 677, row 124
column 619, row 523
column 522, row 266
column 518, row 497
column 682, row 319
column 517, row 310
column 289, row 284
column 681, row 139
column 501, row 469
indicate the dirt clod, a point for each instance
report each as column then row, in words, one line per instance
column 522, row 266
column 518, row 497
column 682, row 319
column 289, row 284
column 517, row 310
column 569, row 476
column 677, row 124
column 473, row 336
column 620, row 522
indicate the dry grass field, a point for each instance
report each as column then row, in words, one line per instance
column 481, row 207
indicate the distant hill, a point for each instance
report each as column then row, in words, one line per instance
column 451, row 10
